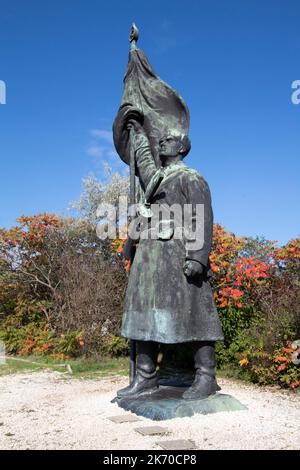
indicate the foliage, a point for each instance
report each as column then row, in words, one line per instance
column 97, row 192
column 62, row 291
column 26, row 331
column 257, row 292
column 62, row 287
column 278, row 367
column 115, row 346
column 235, row 273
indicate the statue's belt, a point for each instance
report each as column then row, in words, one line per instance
column 165, row 230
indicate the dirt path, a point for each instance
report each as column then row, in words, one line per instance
column 48, row 410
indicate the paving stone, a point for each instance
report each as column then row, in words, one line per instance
column 178, row 444
column 123, row 419
column 152, row 430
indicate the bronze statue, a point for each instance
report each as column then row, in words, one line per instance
column 169, row 298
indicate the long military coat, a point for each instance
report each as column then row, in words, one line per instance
column 161, row 303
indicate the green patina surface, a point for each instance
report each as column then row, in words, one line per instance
column 167, row 403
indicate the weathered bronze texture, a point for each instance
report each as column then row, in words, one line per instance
column 169, row 298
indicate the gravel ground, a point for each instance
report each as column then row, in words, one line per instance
column 48, row 410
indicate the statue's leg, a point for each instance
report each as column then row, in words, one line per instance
column 205, row 383
column 146, row 377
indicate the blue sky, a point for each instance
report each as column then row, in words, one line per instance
column 232, row 61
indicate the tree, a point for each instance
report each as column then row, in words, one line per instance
column 97, row 192
column 58, row 278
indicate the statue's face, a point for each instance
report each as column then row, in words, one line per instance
column 169, row 146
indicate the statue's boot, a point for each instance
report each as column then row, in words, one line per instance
column 145, row 380
column 205, row 383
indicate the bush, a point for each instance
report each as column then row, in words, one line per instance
column 115, row 346
column 62, row 291
column 65, row 288
column 267, row 317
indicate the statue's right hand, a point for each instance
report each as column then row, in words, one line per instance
column 133, row 124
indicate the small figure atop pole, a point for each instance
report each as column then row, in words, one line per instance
column 134, row 35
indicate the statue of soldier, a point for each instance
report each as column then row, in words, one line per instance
column 169, row 299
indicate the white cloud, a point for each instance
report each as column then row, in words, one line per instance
column 102, row 134
column 102, row 150
column 95, row 150
column 112, row 154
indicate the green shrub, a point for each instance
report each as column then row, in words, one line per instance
column 115, row 346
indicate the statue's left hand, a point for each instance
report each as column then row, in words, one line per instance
column 192, row 268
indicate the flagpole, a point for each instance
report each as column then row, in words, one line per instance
column 132, row 360
column 134, row 34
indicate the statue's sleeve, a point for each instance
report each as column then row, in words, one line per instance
column 144, row 159
column 201, row 220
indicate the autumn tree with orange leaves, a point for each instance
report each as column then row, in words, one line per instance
column 62, row 289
